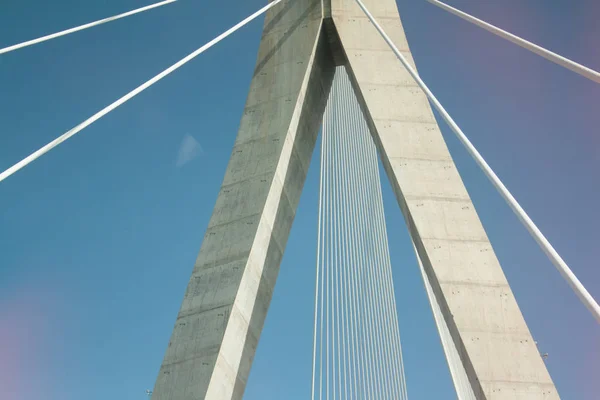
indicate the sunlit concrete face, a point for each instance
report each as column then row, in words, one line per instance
column 220, row 320
column 495, row 346
column 219, row 324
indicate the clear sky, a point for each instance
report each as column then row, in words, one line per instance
column 98, row 238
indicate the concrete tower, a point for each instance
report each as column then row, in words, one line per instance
column 219, row 324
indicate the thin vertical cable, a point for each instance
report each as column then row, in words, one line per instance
column 371, row 169
column 365, row 271
column 346, row 260
column 318, row 268
column 360, row 355
column 335, row 298
column 356, row 266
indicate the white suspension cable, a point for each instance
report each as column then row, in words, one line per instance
column 362, row 264
column 130, row 95
column 333, row 250
column 534, row 48
column 324, row 166
column 335, row 247
column 318, row 270
column 82, row 27
column 342, row 192
column 344, row 205
column 385, row 270
column 378, row 220
column 343, row 129
column 351, row 269
column 365, row 265
column 334, row 243
column 345, row 264
column 388, row 280
column 330, row 263
column 370, row 284
column 364, row 282
column 385, row 289
column 324, row 294
column 552, row 254
column 374, row 289
column 358, row 271
column 358, row 355
column 360, row 388
column 321, row 248
column 364, row 207
column 381, row 256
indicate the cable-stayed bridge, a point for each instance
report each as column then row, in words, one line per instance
column 356, row 343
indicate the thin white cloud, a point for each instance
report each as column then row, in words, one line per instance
column 188, row 150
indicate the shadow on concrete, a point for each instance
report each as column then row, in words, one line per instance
column 276, row 20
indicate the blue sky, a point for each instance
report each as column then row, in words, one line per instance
column 99, row 236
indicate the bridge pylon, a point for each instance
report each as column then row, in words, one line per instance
column 220, row 320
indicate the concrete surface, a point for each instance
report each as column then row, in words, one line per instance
column 487, row 327
column 218, row 326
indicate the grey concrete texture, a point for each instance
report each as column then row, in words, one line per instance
column 219, row 323
column 487, row 327
column 216, row 333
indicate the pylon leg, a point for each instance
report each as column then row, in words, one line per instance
column 496, row 348
column 217, row 330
